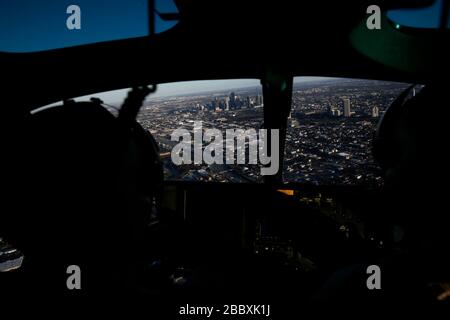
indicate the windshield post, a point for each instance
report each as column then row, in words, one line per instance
column 277, row 91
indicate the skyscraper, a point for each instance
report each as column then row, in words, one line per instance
column 347, row 110
column 232, row 101
column 258, row 100
column 375, row 112
column 227, row 103
column 249, row 102
column 213, row 104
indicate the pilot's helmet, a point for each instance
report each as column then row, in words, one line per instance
column 410, row 141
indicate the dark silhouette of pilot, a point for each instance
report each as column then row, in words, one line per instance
column 88, row 182
column 411, row 147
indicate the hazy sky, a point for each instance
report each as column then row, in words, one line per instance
column 189, row 87
column 116, row 97
column 177, row 88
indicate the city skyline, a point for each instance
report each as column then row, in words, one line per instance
column 325, row 143
column 173, row 89
column 195, row 87
column 329, row 131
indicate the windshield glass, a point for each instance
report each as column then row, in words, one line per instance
column 28, row 26
column 330, row 130
column 428, row 17
column 199, row 108
column 221, row 105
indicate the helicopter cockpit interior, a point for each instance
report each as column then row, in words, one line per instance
column 226, row 153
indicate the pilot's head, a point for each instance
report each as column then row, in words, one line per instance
column 408, row 141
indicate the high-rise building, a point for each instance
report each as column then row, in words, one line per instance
column 232, row 100
column 258, row 100
column 213, row 104
column 375, row 112
column 249, row 102
column 227, row 103
column 237, row 102
column 347, row 109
